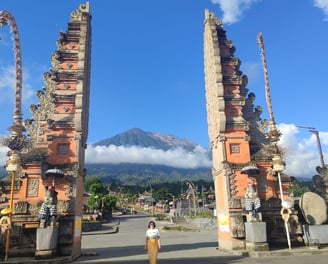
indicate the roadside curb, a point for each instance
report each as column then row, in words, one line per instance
column 106, row 228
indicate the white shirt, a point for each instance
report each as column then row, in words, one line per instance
column 152, row 233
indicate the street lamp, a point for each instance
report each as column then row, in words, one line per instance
column 151, row 196
column 316, row 133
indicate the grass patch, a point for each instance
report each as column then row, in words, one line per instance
column 178, row 228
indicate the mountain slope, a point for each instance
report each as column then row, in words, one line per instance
column 138, row 137
column 141, row 174
column 136, row 157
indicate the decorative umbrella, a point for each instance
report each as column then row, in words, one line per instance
column 54, row 173
column 6, row 211
column 250, row 170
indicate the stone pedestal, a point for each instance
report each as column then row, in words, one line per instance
column 256, row 237
column 315, row 235
column 46, row 242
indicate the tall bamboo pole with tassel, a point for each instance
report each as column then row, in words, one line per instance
column 274, row 134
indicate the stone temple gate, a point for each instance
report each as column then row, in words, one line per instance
column 243, row 151
column 50, row 168
column 49, row 171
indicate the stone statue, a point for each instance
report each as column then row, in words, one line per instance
column 252, row 202
column 48, row 210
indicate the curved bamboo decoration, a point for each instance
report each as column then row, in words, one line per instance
column 273, row 133
column 5, row 19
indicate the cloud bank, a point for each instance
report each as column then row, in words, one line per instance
column 302, row 153
column 179, row 157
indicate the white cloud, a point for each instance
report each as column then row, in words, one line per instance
column 7, row 81
column 134, row 154
column 322, row 4
column 233, row 9
column 3, row 155
column 302, row 154
column 8, row 84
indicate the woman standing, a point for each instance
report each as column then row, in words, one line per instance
column 153, row 242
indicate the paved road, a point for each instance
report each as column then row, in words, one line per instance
column 127, row 246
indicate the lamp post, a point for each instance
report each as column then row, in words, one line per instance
column 12, row 167
column 278, row 167
column 316, row 133
column 151, row 196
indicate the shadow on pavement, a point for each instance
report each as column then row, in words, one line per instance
column 124, row 251
column 138, row 250
column 192, row 246
column 203, row 260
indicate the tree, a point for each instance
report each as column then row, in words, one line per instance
column 91, row 180
column 162, row 193
column 109, row 202
column 298, row 188
column 98, row 191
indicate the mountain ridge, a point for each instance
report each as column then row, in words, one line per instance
column 160, row 158
column 138, row 137
column 141, row 174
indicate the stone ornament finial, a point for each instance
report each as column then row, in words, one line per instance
column 211, row 15
column 79, row 14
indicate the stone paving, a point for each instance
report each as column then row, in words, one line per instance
column 122, row 242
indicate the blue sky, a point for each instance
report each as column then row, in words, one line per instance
column 148, row 70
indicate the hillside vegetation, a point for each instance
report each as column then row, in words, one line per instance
column 140, row 174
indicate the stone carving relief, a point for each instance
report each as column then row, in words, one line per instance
column 32, row 187
column 21, row 208
column 56, row 59
column 238, row 227
column 257, row 126
column 236, row 202
column 61, row 41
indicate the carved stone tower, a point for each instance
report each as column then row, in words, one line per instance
column 238, row 139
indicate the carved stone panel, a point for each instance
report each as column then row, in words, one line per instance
column 238, row 227
column 21, row 208
column 32, row 187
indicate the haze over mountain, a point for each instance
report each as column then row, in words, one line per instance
column 139, row 147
